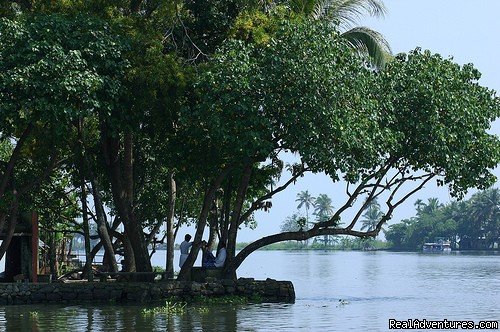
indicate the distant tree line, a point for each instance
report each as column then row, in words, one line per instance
column 472, row 224
column 323, row 210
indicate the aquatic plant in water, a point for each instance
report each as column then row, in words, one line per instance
column 170, row 308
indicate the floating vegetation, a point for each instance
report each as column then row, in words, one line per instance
column 202, row 310
column 170, row 308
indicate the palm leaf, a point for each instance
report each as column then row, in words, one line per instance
column 348, row 12
column 369, row 42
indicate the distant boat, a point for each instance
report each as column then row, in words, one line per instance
column 437, row 247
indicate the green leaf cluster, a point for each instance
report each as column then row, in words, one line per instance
column 440, row 115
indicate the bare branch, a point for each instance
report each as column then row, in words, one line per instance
column 186, row 33
column 258, row 203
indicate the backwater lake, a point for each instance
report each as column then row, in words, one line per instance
column 335, row 291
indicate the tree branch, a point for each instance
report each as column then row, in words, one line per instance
column 258, row 203
column 14, row 157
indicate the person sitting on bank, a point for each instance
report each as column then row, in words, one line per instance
column 209, row 260
column 185, row 245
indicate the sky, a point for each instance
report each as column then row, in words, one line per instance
column 466, row 30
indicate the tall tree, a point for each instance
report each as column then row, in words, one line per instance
column 323, row 207
column 480, row 226
column 372, row 216
column 306, row 200
column 52, row 73
column 430, row 207
column 323, row 210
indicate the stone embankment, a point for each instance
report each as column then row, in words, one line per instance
column 268, row 290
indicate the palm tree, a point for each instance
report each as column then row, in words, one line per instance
column 372, row 216
column 485, row 215
column 305, row 200
column 431, row 207
column 323, row 210
column 345, row 14
column 292, row 223
column 323, row 207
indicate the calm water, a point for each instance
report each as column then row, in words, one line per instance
column 374, row 287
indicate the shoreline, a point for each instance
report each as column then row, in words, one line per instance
column 267, row 291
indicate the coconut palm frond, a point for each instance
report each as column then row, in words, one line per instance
column 369, row 42
column 321, row 9
column 348, row 12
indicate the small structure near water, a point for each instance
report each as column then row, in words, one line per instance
column 439, row 246
column 21, row 257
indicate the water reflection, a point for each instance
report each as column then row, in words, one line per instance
column 373, row 286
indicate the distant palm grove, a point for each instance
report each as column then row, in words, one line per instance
column 472, row 224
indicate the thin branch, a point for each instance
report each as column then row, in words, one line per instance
column 258, row 203
column 369, row 198
column 186, row 33
column 354, row 195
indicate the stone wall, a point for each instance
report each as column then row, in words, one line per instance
column 268, row 290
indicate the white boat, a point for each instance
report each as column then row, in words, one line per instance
column 437, row 247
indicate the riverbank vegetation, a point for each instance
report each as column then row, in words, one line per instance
column 123, row 120
column 473, row 224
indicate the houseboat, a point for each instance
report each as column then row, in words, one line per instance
column 437, row 247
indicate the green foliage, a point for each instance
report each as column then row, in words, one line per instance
column 439, row 116
column 252, row 26
column 372, row 216
column 323, row 208
column 210, row 21
column 293, row 223
column 158, row 269
column 254, row 94
column 170, row 308
column 55, row 69
column 345, row 14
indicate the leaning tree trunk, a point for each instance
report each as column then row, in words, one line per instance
column 11, row 227
column 102, row 228
column 87, row 269
column 170, row 225
column 226, row 212
column 235, row 220
column 185, row 272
